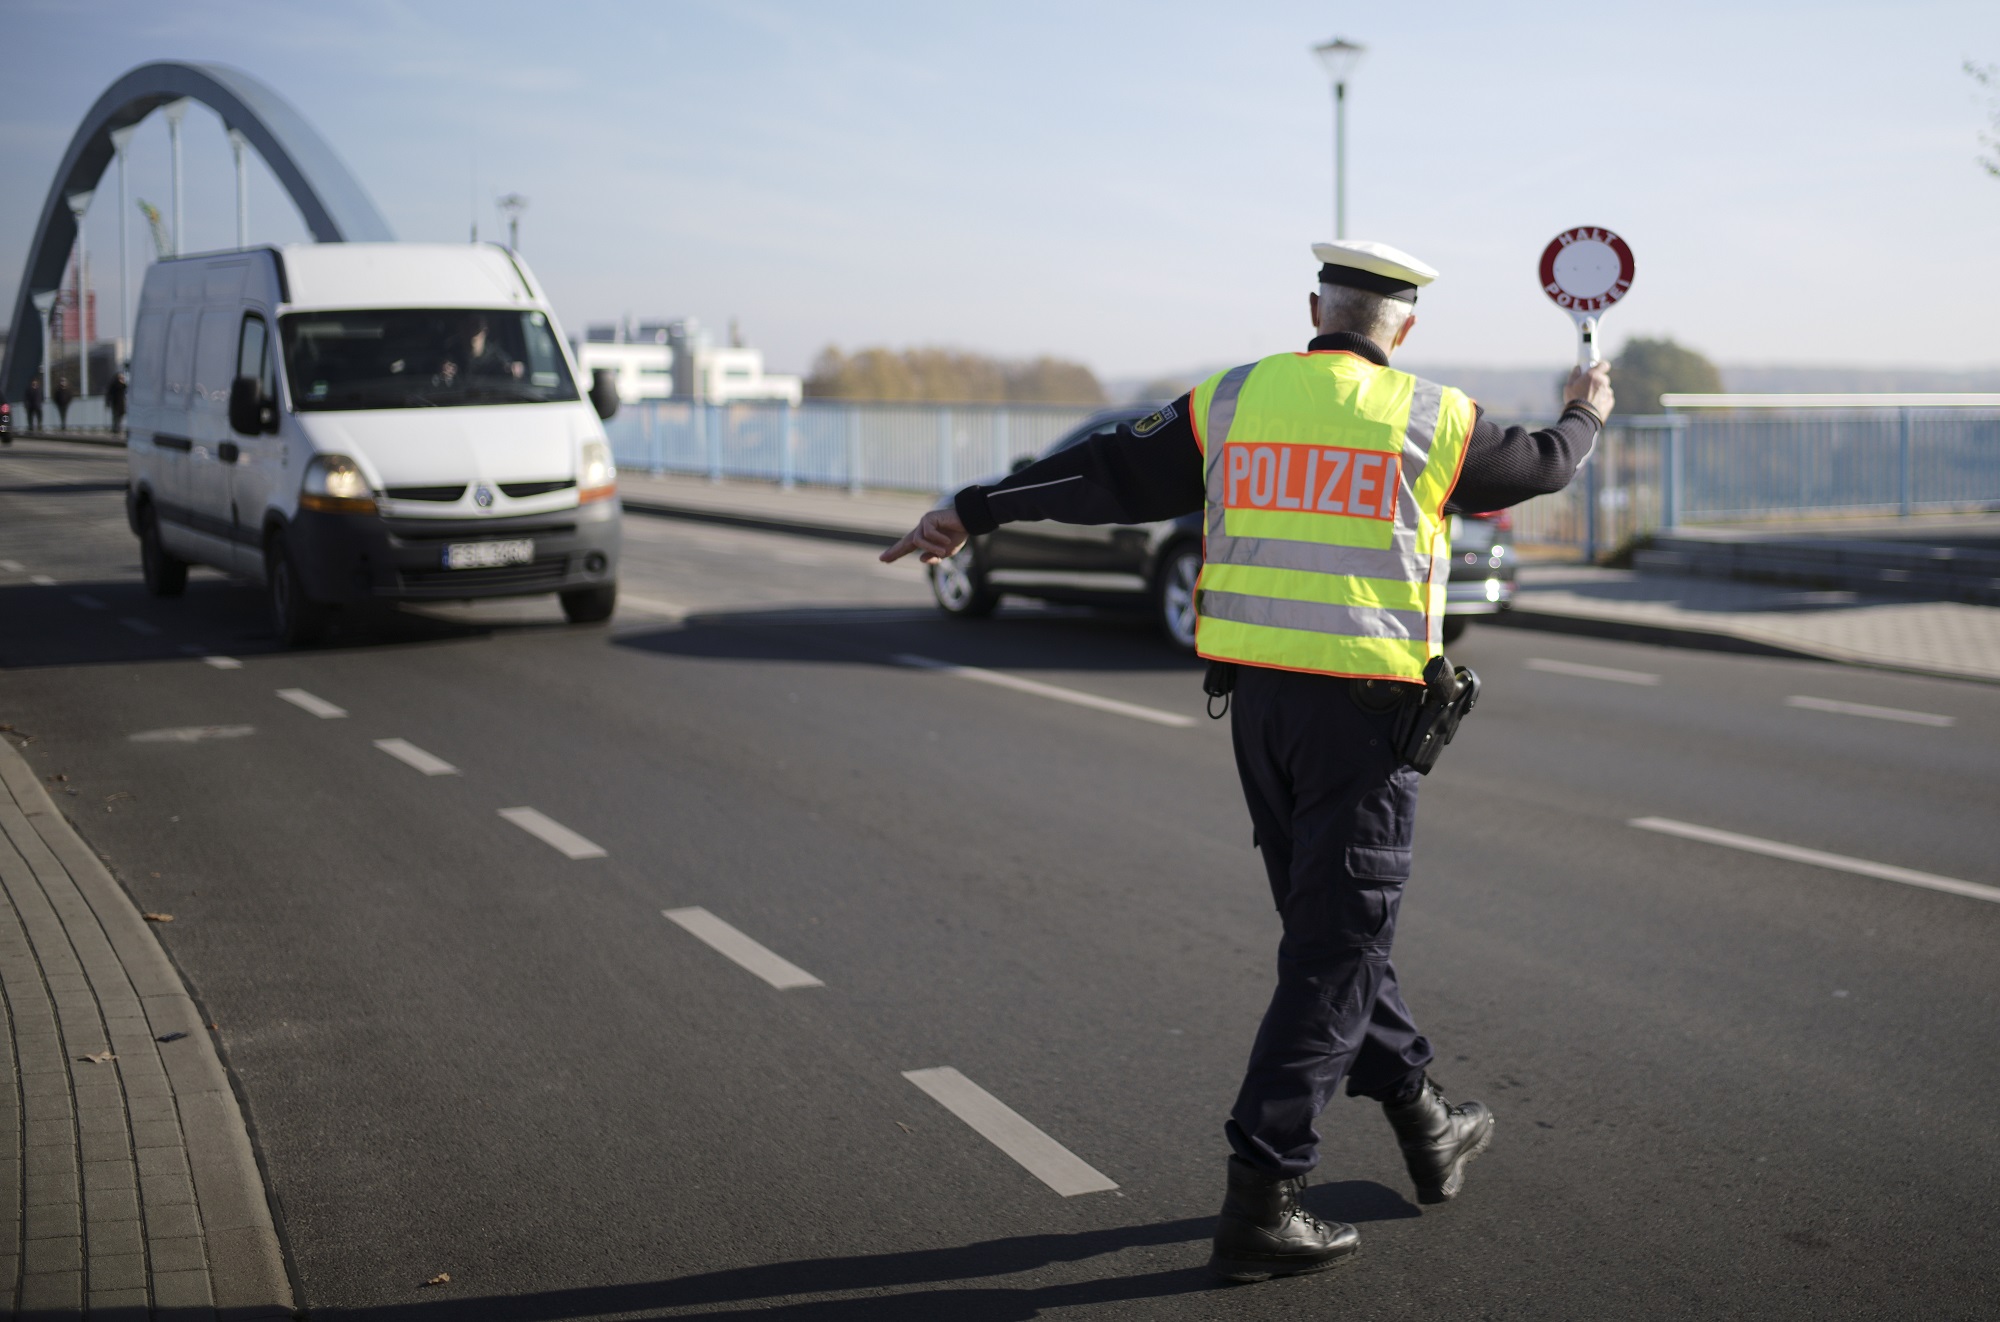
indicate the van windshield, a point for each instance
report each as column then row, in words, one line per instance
column 400, row 358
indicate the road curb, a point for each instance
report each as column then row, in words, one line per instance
column 1714, row 640
column 825, row 530
column 246, row 1266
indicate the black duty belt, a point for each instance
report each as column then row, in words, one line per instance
column 1426, row 718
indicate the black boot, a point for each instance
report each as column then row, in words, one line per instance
column 1438, row 1140
column 1265, row 1231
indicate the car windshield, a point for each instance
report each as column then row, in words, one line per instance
column 422, row 358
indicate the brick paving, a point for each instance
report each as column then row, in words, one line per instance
column 136, row 1194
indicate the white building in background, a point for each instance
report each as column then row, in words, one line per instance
column 679, row 360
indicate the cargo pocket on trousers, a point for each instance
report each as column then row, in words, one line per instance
column 1379, row 872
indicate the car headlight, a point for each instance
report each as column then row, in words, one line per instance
column 597, row 478
column 335, row 484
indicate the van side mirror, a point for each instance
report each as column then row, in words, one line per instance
column 604, row 391
column 1020, row 462
column 244, row 410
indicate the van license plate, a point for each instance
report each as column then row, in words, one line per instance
column 488, row 555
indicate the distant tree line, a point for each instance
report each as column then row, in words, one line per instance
column 949, row 376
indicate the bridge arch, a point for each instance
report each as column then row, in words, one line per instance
column 335, row 206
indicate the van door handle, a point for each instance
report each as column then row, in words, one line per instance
column 227, row 452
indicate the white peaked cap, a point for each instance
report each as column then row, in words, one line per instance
column 1376, row 259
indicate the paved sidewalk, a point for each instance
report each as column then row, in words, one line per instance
column 1947, row 638
column 135, row 1191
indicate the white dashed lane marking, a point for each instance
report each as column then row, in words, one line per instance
column 305, row 701
column 223, row 662
column 1576, row 670
column 651, row 606
column 193, row 734
column 1006, row 1129
column 1818, row 858
column 139, row 626
column 552, row 833
column 41, row 580
column 1040, row 690
column 408, row 753
column 1863, row 709
column 745, row 951
column 12, row 566
column 85, row 600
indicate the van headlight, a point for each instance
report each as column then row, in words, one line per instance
column 335, row 484
column 598, row 479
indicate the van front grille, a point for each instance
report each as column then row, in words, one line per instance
column 520, row 489
column 445, row 494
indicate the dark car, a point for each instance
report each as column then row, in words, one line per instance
column 1153, row 566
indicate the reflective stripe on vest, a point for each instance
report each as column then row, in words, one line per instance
column 1326, row 546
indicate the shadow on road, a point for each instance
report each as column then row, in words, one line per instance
column 722, row 1291
column 1031, row 640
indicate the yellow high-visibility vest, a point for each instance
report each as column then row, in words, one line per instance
column 1325, row 542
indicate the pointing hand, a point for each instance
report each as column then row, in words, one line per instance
column 938, row 535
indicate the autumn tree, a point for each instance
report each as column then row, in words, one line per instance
column 949, row 376
column 1646, row 369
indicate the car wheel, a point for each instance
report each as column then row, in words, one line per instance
column 1454, row 627
column 298, row 619
column 1173, row 593
column 961, row 589
column 590, row 605
column 166, row 574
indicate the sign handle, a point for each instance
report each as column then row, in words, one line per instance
column 1586, row 343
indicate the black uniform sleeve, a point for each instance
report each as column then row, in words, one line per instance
column 1145, row 470
column 1507, row 466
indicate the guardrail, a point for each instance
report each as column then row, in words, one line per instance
column 1755, row 458
column 836, row 443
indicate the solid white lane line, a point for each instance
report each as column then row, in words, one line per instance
column 223, row 662
column 1003, row 1127
column 193, row 734
column 1091, row 700
column 1863, row 709
column 405, row 751
column 732, row 944
column 41, row 580
column 85, row 600
column 319, row 707
column 651, row 606
column 552, row 833
column 137, row 625
column 1819, row 858
column 1580, row 671
column 12, row 566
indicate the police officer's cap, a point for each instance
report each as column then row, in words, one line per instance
column 1375, row 267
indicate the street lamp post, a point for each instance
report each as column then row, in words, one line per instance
column 1340, row 57
column 45, row 303
column 79, row 204
column 120, row 138
column 175, row 111
column 512, row 206
column 237, row 142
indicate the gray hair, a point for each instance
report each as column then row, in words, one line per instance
column 1342, row 308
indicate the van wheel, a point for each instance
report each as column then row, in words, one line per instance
column 1173, row 593
column 1454, row 627
column 961, row 589
column 166, row 574
column 298, row 619
column 590, row 605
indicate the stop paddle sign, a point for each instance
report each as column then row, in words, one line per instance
column 1584, row 271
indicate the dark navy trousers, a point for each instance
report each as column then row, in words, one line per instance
column 1335, row 816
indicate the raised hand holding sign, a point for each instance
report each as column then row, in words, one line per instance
column 1585, row 270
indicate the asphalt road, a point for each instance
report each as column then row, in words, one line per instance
column 1728, row 1084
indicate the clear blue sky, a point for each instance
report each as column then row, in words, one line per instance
column 1131, row 184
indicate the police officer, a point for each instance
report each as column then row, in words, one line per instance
column 1326, row 478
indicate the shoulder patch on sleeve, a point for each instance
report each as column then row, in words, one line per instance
column 1152, row 422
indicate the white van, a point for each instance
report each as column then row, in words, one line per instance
column 367, row 422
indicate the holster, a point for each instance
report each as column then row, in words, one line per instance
column 1424, row 727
